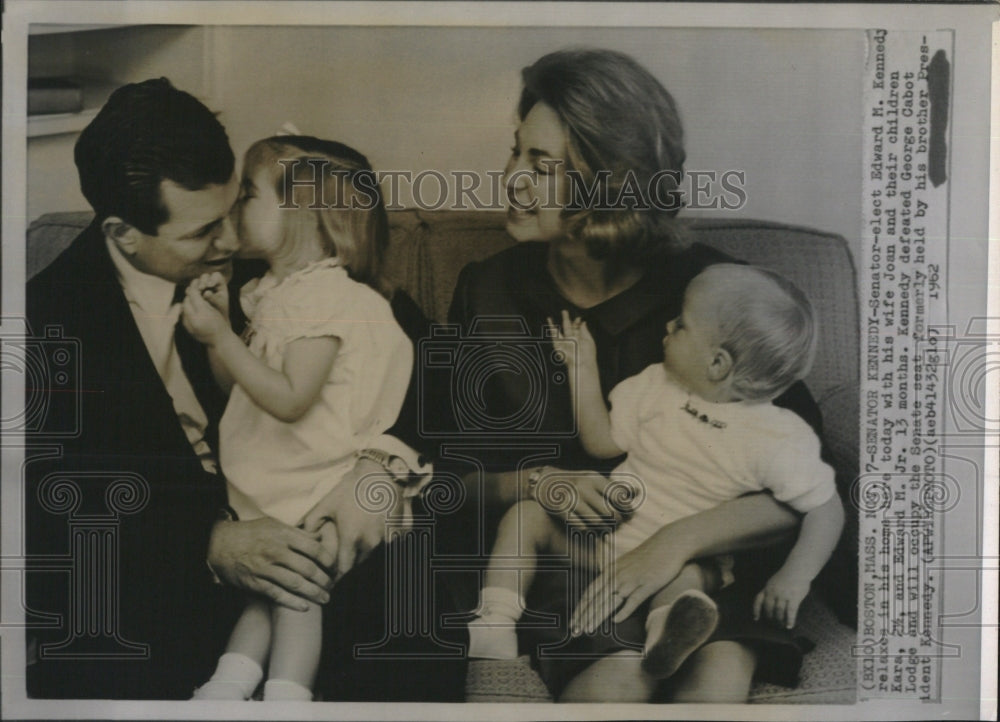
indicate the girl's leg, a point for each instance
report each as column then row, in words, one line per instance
column 718, row 672
column 525, row 531
column 298, row 641
column 240, row 669
column 681, row 619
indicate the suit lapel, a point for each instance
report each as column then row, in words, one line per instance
column 142, row 412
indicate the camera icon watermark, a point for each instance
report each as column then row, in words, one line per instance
column 49, row 365
column 498, row 380
column 965, row 365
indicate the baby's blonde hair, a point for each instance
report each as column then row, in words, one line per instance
column 328, row 188
column 766, row 323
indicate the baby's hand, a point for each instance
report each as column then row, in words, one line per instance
column 780, row 598
column 202, row 320
column 213, row 288
column 573, row 342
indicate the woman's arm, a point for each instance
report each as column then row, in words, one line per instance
column 501, row 490
column 744, row 523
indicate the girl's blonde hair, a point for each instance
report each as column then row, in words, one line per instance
column 330, row 189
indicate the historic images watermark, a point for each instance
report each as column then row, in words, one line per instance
column 496, row 190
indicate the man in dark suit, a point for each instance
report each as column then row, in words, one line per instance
column 136, row 498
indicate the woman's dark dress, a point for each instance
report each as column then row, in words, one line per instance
column 507, row 414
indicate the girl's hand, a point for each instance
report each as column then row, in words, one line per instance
column 780, row 598
column 573, row 342
column 213, row 288
column 202, row 320
column 635, row 577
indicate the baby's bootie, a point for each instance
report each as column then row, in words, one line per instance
column 675, row 631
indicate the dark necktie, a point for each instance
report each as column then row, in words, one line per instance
column 194, row 361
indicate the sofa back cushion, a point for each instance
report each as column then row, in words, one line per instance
column 428, row 249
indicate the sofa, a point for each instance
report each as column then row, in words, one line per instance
column 428, row 249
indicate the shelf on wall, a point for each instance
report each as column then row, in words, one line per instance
column 56, row 28
column 95, row 94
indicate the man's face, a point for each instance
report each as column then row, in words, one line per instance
column 197, row 237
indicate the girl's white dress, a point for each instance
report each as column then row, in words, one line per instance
column 282, row 469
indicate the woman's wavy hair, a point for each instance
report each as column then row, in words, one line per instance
column 623, row 134
column 767, row 325
column 329, row 188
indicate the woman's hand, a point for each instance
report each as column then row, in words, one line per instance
column 201, row 319
column 283, row 563
column 749, row 521
column 635, row 577
column 580, row 498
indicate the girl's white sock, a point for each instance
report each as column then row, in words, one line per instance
column 493, row 634
column 236, row 677
column 285, row 690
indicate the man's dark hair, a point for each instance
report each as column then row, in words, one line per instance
column 146, row 133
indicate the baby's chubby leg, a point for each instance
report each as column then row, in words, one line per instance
column 525, row 531
column 682, row 617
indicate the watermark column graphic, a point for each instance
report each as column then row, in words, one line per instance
column 487, row 390
column 592, row 549
column 92, row 563
column 459, row 374
column 410, row 609
column 48, row 368
column 903, row 492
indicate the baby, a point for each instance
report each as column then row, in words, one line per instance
column 699, row 429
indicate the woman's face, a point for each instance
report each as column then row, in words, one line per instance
column 537, row 184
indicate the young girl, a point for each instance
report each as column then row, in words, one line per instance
column 699, row 429
column 324, row 369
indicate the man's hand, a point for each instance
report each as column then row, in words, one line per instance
column 780, row 598
column 265, row 556
column 355, row 506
